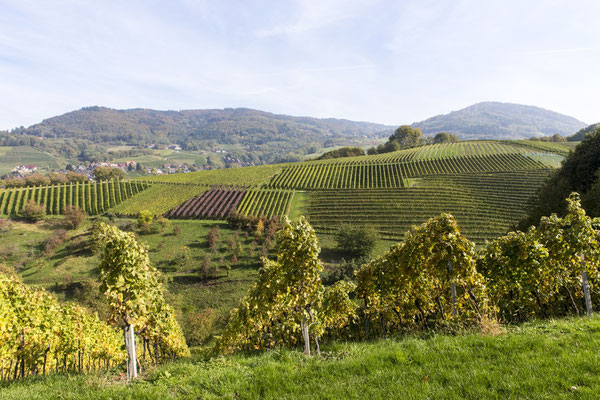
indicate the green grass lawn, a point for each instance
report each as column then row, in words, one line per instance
column 541, row 360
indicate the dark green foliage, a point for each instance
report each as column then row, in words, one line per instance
column 444, row 137
column 356, row 241
column 580, row 135
column 403, row 137
column 579, row 173
column 343, row 152
column 108, row 173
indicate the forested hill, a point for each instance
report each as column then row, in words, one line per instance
column 202, row 129
column 494, row 120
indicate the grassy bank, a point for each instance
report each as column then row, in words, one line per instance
column 541, row 360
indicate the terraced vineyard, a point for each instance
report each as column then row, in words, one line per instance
column 486, row 184
column 212, row 204
column 266, row 202
column 159, row 198
column 376, row 175
column 485, row 205
column 93, row 198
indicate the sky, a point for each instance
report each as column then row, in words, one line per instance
column 392, row 62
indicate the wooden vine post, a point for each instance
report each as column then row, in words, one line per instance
column 452, row 291
column 586, row 286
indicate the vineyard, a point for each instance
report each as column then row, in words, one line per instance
column 261, row 202
column 45, row 336
column 487, row 205
column 158, row 198
column 93, row 198
column 486, row 184
column 212, row 204
column 217, row 202
column 352, row 175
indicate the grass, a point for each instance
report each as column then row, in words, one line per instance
column 158, row 199
column 246, row 176
column 13, row 156
column 556, row 359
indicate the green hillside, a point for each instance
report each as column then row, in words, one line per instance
column 486, row 184
column 13, row 156
column 254, row 136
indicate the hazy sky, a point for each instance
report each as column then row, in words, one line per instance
column 383, row 61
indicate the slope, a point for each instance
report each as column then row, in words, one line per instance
column 495, row 120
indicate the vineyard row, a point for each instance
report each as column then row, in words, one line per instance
column 393, row 175
column 93, row 198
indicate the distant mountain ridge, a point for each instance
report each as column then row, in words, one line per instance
column 257, row 136
column 495, row 120
column 102, row 123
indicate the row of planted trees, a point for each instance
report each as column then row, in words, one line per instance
column 433, row 279
column 39, row 335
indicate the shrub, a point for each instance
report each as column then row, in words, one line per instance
column 33, row 212
column 57, row 238
column 176, row 230
column 144, row 218
column 74, row 216
column 5, row 225
column 212, row 238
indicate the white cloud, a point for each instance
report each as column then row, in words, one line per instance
column 384, row 61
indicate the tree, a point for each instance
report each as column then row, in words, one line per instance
column 212, row 238
column 406, row 136
column 356, row 241
column 444, row 137
column 129, row 282
column 108, row 173
column 578, row 173
column 288, row 298
column 57, row 178
column 76, row 177
column 74, row 216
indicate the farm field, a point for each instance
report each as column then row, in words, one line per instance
column 538, row 360
column 12, row 156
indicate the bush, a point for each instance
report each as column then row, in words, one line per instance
column 33, row 212
column 74, row 216
column 356, row 241
column 144, row 218
column 176, row 230
column 57, row 238
column 5, row 225
column 212, row 238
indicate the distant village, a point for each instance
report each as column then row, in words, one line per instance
column 87, row 169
